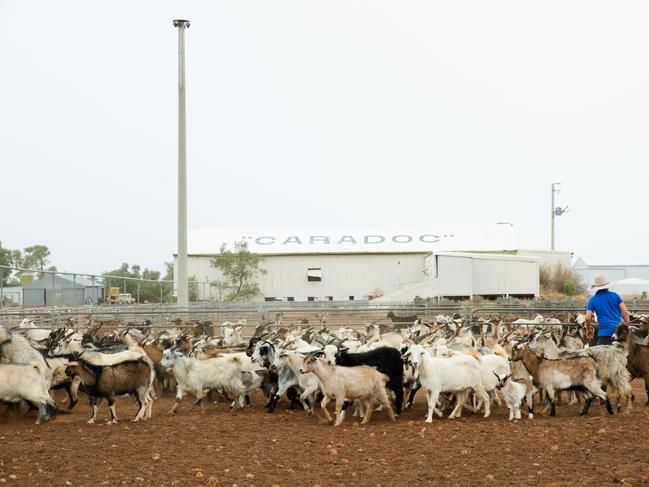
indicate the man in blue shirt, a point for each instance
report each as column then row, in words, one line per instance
column 609, row 308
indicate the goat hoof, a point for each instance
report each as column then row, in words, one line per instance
column 90, row 421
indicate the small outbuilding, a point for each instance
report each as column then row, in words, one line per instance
column 62, row 290
column 631, row 287
column 464, row 275
column 616, row 268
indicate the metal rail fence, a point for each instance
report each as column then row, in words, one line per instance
column 334, row 314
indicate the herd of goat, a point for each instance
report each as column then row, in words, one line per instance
column 461, row 367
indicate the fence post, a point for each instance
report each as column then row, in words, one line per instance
column 74, row 290
column 160, row 292
column 138, row 293
column 2, row 276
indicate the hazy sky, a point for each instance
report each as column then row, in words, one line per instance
column 322, row 114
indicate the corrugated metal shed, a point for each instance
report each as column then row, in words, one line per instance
column 59, row 290
column 616, row 268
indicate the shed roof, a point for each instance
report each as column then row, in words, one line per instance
column 83, row 281
column 613, row 261
column 420, row 238
column 62, row 281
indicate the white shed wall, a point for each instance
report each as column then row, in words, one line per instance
column 454, row 275
column 549, row 257
column 343, row 275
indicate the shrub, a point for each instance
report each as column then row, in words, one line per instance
column 569, row 288
column 560, row 279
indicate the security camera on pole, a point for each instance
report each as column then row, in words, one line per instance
column 556, row 211
column 181, row 268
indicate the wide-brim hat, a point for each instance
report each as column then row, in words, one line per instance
column 600, row 282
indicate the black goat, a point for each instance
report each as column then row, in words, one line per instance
column 386, row 360
column 402, row 319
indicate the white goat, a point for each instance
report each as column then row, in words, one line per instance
column 309, row 383
column 457, row 374
column 15, row 349
column 32, row 334
column 26, row 383
column 199, row 376
column 516, row 393
column 232, row 334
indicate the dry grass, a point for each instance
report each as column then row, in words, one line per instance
column 559, row 281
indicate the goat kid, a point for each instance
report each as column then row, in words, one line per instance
column 516, row 393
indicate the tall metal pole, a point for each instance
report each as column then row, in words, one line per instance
column 181, row 268
column 552, row 212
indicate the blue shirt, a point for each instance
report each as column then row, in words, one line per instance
column 606, row 305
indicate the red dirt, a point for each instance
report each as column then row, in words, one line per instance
column 251, row 447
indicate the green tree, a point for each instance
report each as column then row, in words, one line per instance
column 5, row 259
column 146, row 290
column 17, row 261
column 239, row 269
column 36, row 257
column 149, row 288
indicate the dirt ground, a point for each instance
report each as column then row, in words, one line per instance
column 252, row 447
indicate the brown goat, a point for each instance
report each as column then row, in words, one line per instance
column 638, row 355
column 108, row 382
column 164, row 376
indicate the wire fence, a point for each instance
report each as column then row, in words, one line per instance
column 42, row 288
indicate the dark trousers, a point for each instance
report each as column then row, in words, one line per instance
column 604, row 340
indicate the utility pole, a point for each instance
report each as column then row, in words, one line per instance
column 181, row 274
column 556, row 211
